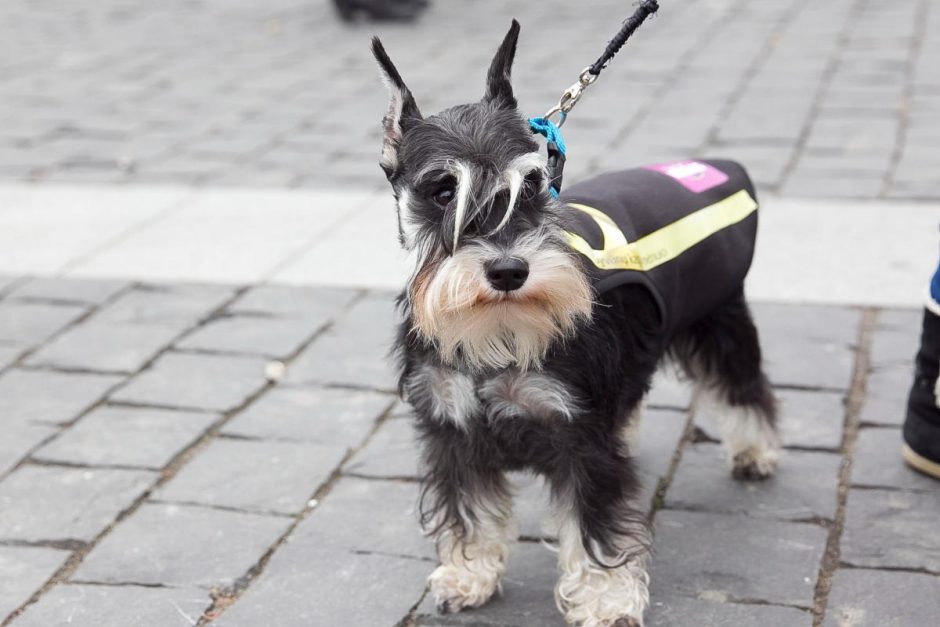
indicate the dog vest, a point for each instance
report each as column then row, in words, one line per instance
column 685, row 230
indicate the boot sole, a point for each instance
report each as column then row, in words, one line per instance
column 920, row 463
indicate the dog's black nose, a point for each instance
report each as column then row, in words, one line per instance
column 507, row 274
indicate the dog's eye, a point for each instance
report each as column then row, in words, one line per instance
column 533, row 184
column 443, row 196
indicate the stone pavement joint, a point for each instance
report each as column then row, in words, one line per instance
column 854, row 402
column 223, row 599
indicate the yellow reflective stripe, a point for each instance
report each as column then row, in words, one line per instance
column 613, row 236
column 664, row 244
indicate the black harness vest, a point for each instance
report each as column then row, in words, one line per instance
column 685, row 230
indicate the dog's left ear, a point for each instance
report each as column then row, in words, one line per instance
column 402, row 110
column 498, row 87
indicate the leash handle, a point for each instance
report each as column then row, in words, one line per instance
column 646, row 8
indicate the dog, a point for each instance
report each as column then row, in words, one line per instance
column 531, row 328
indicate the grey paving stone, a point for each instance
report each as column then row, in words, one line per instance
column 339, row 418
column 531, row 506
column 23, row 571
column 346, row 519
column 19, row 439
column 362, row 531
column 807, row 346
column 76, row 605
column 886, row 395
column 808, row 322
column 896, row 337
column 314, row 304
column 9, row 354
column 7, row 281
column 877, row 462
column 217, row 547
column 857, row 598
column 832, row 184
column 527, row 597
column 328, row 587
column 260, row 476
column 105, row 346
column 680, row 612
column 127, row 436
column 747, row 559
column 811, row 419
column 392, row 452
column 891, row 529
column 178, row 306
column 355, row 351
column 805, row 485
column 32, row 396
column 656, row 442
column 48, row 503
column 254, row 335
column 88, row 291
column 27, row 324
column 211, row 382
column 669, row 390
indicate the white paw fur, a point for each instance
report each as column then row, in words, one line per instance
column 591, row 596
column 471, row 570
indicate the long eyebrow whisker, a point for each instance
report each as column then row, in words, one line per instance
column 464, row 182
column 514, row 176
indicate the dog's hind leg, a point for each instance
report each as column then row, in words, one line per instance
column 603, row 541
column 722, row 354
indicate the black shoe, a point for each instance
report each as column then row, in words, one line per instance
column 922, row 426
column 381, row 10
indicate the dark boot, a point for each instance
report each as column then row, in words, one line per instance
column 381, row 10
column 922, row 426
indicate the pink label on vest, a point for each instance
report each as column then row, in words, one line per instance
column 694, row 175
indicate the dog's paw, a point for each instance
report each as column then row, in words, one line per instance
column 591, row 596
column 754, row 465
column 457, row 588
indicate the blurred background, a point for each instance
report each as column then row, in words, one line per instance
column 198, row 258
column 820, row 99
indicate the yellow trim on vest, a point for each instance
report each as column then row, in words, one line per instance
column 664, row 244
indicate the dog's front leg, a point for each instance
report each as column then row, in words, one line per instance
column 466, row 506
column 603, row 541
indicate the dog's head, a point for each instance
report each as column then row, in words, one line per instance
column 494, row 284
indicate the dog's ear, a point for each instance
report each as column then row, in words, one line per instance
column 498, row 87
column 402, row 110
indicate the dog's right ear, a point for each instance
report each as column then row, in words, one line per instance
column 402, row 110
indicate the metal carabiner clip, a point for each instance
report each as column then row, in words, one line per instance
column 571, row 96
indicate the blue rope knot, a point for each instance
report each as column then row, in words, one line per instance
column 556, row 151
column 549, row 130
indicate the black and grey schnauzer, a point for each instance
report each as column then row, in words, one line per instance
column 515, row 356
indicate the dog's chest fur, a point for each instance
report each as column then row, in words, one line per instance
column 454, row 396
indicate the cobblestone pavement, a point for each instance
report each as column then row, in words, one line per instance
column 835, row 98
column 152, row 475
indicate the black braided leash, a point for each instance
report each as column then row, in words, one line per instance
column 646, row 8
column 571, row 96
